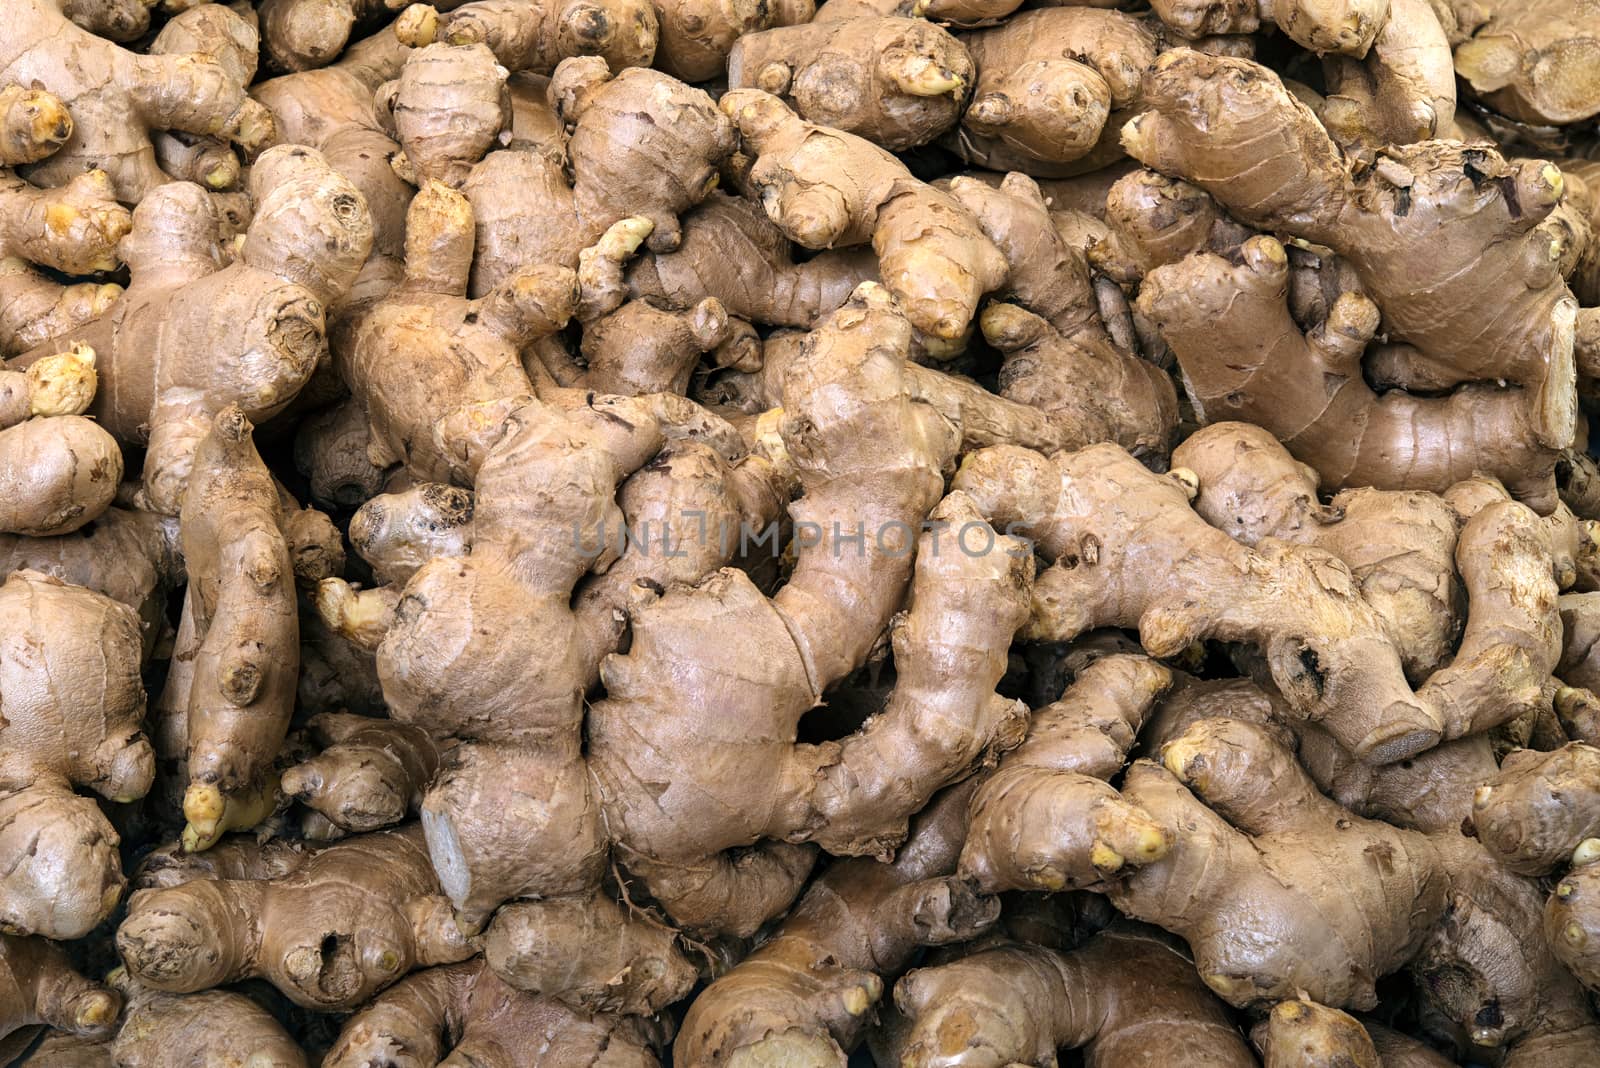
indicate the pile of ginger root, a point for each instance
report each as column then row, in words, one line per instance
column 938, row 534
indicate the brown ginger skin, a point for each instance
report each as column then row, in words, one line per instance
column 1403, row 90
column 1048, row 81
column 71, row 709
column 299, row 35
column 34, row 123
column 238, row 642
column 35, row 310
column 369, row 774
column 192, row 335
column 807, row 993
column 1344, row 26
column 449, row 107
column 1540, row 807
column 132, row 557
column 1059, row 357
column 1488, row 983
column 40, row 987
column 825, row 188
column 197, row 1030
column 536, row 35
column 117, row 98
column 1097, row 510
column 1400, row 545
column 464, row 1014
column 643, row 348
column 1046, row 819
column 333, row 110
column 56, row 474
column 1373, row 215
column 348, row 921
column 861, row 344
column 642, row 145
column 1129, row 996
column 425, row 350
column 731, row 251
column 1536, row 62
column 1252, row 349
column 898, row 82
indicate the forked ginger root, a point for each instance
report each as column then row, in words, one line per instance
column 194, row 332
column 117, row 98
column 40, row 987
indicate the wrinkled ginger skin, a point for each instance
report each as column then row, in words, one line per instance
column 191, row 335
column 200, row 1030
column 71, row 709
column 1400, row 545
column 1303, row 1034
column 846, row 390
column 240, row 622
column 825, row 188
column 33, row 124
column 464, row 1014
column 1046, row 819
column 1243, row 358
column 1540, row 807
column 424, row 350
column 536, row 35
column 117, row 98
column 642, row 145
column 897, row 82
column 370, row 773
column 40, row 987
column 1490, row 304
column 1127, row 997
column 1098, row 510
column 1237, row 887
column 348, row 921
column 808, row 991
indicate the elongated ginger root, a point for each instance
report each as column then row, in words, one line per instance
column 198, row 1030
column 348, row 921
column 40, row 987
column 1129, row 996
column 424, row 350
column 805, row 996
column 730, row 250
column 238, row 644
column 1230, row 326
column 74, row 704
column 536, row 35
column 58, row 471
column 1248, row 142
column 825, row 188
column 1536, row 62
column 191, row 335
column 898, row 82
column 117, row 98
column 464, row 1015
column 1048, row 81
